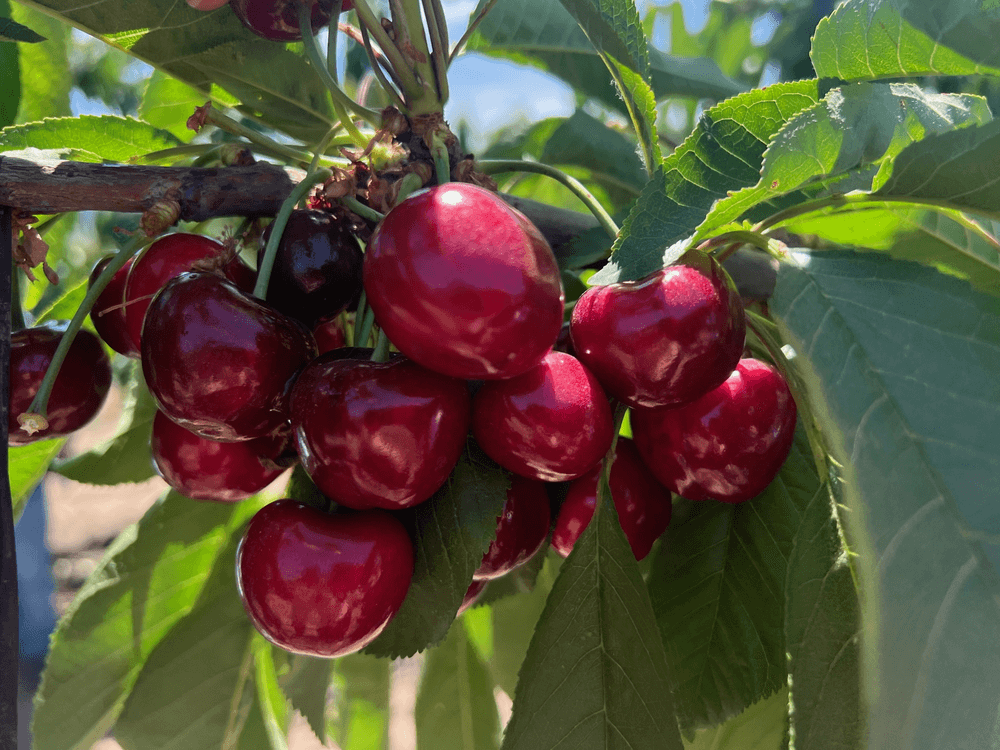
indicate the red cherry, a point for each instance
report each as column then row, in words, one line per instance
column 729, row 444
column 642, row 503
column 521, row 530
column 552, row 423
column 278, row 20
column 330, row 335
column 80, row 388
column 166, row 258
column 378, row 435
column 204, row 469
column 472, row 594
column 320, row 584
column 317, row 269
column 218, row 361
column 664, row 340
column 108, row 313
column 463, row 284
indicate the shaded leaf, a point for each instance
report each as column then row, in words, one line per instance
column 902, row 365
column 306, row 686
column 761, row 726
column 12, row 31
column 585, row 141
column 362, row 702
column 10, row 83
column 28, row 464
column 106, row 137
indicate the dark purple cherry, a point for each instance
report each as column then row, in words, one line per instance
column 643, row 504
column 320, row 584
column 463, row 284
column 204, row 469
column 80, row 388
column 727, row 445
column 278, row 20
column 317, row 270
column 220, row 362
column 664, row 340
column 108, row 312
column 521, row 529
column 378, row 435
column 552, row 423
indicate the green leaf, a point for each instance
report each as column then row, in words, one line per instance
column 107, row 137
column 614, row 28
column 362, row 702
column 453, row 531
column 12, row 31
column 852, row 127
column 124, row 458
column 168, row 103
column 902, row 366
column 45, row 76
column 595, row 675
column 65, row 307
column 455, row 707
column 956, row 169
column 306, row 685
column 822, row 633
column 717, row 584
column 196, row 687
column 270, row 699
column 28, row 464
column 213, row 53
column 760, row 727
column 723, row 154
column 865, row 40
column 148, row 580
column 10, row 84
column 585, row 141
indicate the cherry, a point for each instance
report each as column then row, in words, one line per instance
column 463, row 284
column 521, row 529
column 552, row 423
column 727, row 445
column 218, row 361
column 666, row 339
column 204, row 469
column 79, row 390
column 643, row 505
column 320, row 584
column 163, row 260
column 472, row 594
column 330, row 335
column 278, row 20
column 108, row 312
column 317, row 269
column 378, row 434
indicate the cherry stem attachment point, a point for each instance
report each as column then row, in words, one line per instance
column 407, row 186
column 40, row 402
column 365, row 212
column 493, row 166
column 278, row 228
column 442, row 161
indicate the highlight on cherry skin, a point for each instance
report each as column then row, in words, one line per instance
column 521, row 529
column 322, row 584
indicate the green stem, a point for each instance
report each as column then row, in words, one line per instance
column 492, row 166
column 407, row 186
column 214, row 117
column 808, row 207
column 340, row 100
column 359, row 318
column 278, row 227
column 376, row 66
column 439, row 47
column 603, row 486
column 381, row 353
column 361, row 334
column 401, row 69
column 331, row 39
column 16, row 313
column 266, row 677
column 469, row 31
column 442, row 160
column 39, row 404
column 196, row 149
column 773, row 247
column 365, row 212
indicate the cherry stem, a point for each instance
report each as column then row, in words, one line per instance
column 359, row 318
column 331, row 39
column 40, row 402
column 381, row 353
column 365, row 212
column 439, row 46
column 190, row 149
column 469, row 31
column 603, row 485
column 407, row 186
column 278, row 228
column 776, row 248
column 379, row 73
column 400, row 69
column 361, row 335
column 442, row 160
column 16, row 313
column 268, row 146
column 341, row 101
column 493, row 166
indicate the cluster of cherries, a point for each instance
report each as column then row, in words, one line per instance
column 469, row 292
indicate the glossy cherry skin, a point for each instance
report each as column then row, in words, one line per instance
column 166, row 258
column 378, row 435
column 278, row 20
column 521, row 529
column 108, row 314
column 320, row 584
column 552, row 423
column 729, row 444
column 666, row 339
column 317, row 269
column 330, row 335
column 220, row 362
column 204, row 469
column 643, row 504
column 80, row 388
column 463, row 284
